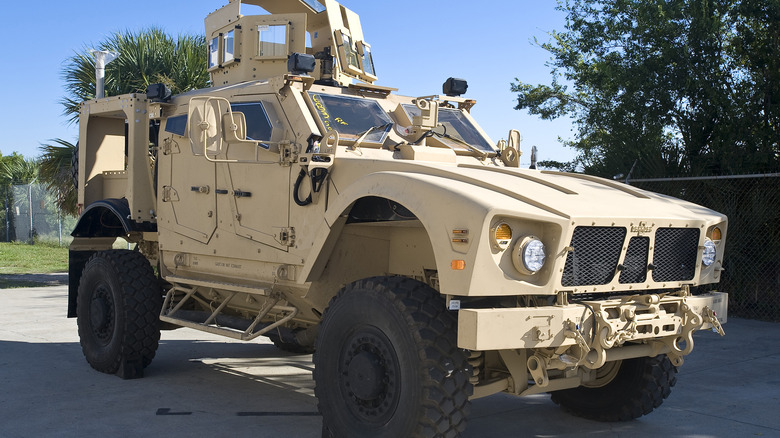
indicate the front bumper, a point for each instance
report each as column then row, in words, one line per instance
column 595, row 327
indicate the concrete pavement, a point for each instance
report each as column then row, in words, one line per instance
column 204, row 385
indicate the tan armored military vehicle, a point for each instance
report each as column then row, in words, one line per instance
column 387, row 234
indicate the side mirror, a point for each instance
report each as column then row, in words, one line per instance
column 234, row 127
column 204, row 126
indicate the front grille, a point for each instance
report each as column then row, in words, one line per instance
column 595, row 256
column 635, row 263
column 674, row 255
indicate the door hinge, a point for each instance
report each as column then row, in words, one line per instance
column 288, row 152
column 287, row 236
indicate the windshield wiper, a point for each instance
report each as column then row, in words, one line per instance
column 369, row 131
column 430, row 133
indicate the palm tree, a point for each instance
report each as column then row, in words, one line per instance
column 55, row 174
column 145, row 57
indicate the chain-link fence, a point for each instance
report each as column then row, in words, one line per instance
column 752, row 259
column 29, row 214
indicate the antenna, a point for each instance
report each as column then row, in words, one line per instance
column 102, row 58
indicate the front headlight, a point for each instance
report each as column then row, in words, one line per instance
column 710, row 252
column 528, row 255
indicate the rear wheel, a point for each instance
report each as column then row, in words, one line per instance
column 119, row 303
column 624, row 390
column 290, row 347
column 387, row 363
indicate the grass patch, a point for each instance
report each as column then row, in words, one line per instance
column 41, row 258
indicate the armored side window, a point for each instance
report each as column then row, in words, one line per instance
column 272, row 41
column 229, row 53
column 315, row 5
column 258, row 125
column 177, row 125
column 367, row 59
column 349, row 57
column 214, row 53
column 352, row 116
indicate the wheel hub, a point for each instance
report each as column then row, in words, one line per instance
column 366, row 375
column 101, row 314
column 369, row 374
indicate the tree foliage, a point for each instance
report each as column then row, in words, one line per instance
column 17, row 170
column 666, row 87
column 145, row 57
column 55, row 174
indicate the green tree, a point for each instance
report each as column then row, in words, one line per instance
column 17, row 170
column 14, row 170
column 56, row 174
column 145, row 57
column 661, row 86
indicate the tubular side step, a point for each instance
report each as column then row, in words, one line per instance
column 211, row 324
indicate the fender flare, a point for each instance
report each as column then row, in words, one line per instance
column 105, row 218
column 414, row 192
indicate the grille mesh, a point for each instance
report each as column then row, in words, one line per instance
column 674, row 255
column 635, row 263
column 595, row 256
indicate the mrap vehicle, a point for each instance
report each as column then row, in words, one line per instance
column 387, row 234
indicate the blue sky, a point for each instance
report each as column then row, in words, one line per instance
column 417, row 45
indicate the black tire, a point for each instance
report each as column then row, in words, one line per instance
column 290, row 347
column 119, row 301
column 639, row 386
column 387, row 363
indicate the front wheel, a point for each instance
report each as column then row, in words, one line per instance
column 387, row 363
column 118, row 308
column 627, row 390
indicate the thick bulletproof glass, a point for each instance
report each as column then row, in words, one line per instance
column 455, row 125
column 368, row 61
column 177, row 125
column 351, row 117
column 214, row 52
column 349, row 49
column 258, row 126
column 315, row 5
column 229, row 54
column 273, row 40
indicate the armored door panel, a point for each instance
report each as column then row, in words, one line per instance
column 257, row 194
column 259, row 200
column 191, row 196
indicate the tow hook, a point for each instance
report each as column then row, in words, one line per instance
column 711, row 317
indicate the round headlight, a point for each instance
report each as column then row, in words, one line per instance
column 528, row 256
column 710, row 253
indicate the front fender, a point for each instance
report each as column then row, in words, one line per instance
column 432, row 200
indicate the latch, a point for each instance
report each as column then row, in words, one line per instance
column 201, row 189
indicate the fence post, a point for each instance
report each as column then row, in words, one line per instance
column 29, row 195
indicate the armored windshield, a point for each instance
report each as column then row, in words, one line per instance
column 456, row 125
column 352, row 117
